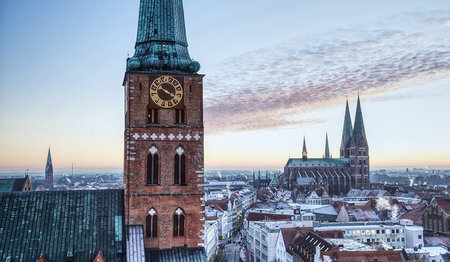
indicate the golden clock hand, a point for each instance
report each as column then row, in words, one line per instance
column 167, row 92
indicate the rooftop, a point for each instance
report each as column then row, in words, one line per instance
column 61, row 224
column 317, row 162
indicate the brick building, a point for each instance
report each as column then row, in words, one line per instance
column 436, row 217
column 334, row 175
column 163, row 170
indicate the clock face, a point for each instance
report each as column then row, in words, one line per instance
column 166, row 91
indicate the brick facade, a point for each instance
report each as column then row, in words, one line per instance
column 169, row 141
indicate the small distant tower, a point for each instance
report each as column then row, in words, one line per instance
column 49, row 171
column 327, row 148
column 304, row 152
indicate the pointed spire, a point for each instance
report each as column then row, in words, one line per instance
column 358, row 130
column 49, row 170
column 347, row 131
column 304, row 152
column 327, row 148
column 161, row 44
column 275, row 181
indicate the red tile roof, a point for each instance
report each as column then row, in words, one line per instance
column 415, row 214
column 444, row 203
column 221, row 205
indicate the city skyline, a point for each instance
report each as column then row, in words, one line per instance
column 290, row 79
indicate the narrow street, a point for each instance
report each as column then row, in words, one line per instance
column 232, row 252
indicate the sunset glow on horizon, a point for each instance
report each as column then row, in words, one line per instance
column 275, row 72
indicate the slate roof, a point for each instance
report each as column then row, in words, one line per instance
column 176, row 255
column 61, row 223
column 135, row 244
column 317, row 162
column 12, row 184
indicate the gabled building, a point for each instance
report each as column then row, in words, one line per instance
column 436, row 217
column 15, row 184
column 335, row 175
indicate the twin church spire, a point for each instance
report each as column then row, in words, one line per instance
column 350, row 134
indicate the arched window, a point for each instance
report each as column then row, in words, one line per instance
column 152, row 167
column 178, row 223
column 151, row 224
column 179, row 167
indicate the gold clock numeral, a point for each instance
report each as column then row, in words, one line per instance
column 172, row 91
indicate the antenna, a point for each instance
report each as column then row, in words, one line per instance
column 72, row 168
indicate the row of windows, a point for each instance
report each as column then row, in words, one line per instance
column 151, row 224
column 179, row 169
column 373, row 231
column 153, row 116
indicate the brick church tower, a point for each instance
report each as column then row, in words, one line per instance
column 163, row 171
column 354, row 146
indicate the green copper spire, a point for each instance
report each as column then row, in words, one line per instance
column 275, row 181
column 161, row 44
column 327, row 148
column 348, row 130
column 358, row 130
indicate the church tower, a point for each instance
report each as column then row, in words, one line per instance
column 359, row 152
column 49, row 171
column 163, row 170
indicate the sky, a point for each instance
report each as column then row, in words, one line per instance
column 275, row 71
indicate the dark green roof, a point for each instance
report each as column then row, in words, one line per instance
column 12, row 184
column 317, row 162
column 59, row 224
column 161, row 44
column 275, row 180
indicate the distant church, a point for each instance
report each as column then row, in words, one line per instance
column 334, row 175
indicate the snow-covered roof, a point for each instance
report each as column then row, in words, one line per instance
column 349, row 244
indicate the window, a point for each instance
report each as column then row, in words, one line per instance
column 180, row 116
column 180, row 167
column 378, row 231
column 419, row 236
column 152, row 167
column 382, row 231
column 151, row 224
column 152, row 116
column 178, row 223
